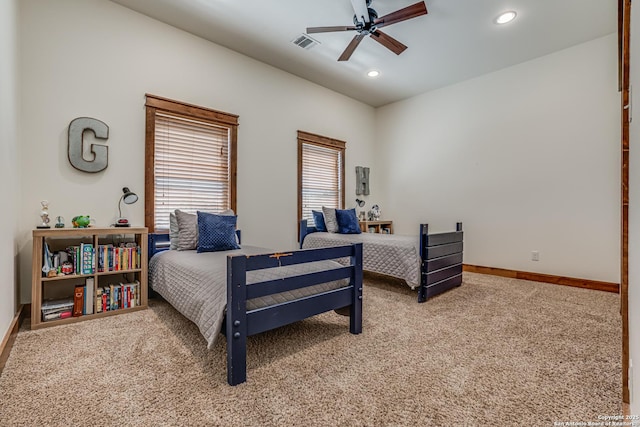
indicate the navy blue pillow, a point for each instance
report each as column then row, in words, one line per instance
column 318, row 220
column 216, row 232
column 347, row 221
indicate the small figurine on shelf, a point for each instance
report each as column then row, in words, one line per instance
column 374, row 213
column 44, row 214
column 60, row 222
column 66, row 268
column 81, row 221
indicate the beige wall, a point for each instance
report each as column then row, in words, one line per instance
column 8, row 162
column 527, row 158
column 97, row 59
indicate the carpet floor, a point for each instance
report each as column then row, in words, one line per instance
column 493, row 352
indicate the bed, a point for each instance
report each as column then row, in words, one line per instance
column 432, row 263
column 247, row 291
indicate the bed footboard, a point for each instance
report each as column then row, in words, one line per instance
column 441, row 256
column 241, row 323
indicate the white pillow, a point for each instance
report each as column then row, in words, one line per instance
column 173, row 231
column 330, row 220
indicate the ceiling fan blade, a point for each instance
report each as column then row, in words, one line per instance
column 389, row 42
column 311, row 30
column 360, row 9
column 352, row 46
column 408, row 12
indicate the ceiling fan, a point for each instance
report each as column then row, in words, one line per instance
column 366, row 22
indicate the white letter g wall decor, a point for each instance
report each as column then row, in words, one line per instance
column 100, row 152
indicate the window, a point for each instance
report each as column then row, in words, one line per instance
column 320, row 174
column 190, row 160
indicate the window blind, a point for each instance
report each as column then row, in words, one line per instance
column 191, row 167
column 321, row 179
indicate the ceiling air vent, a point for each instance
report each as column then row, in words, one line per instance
column 305, row 42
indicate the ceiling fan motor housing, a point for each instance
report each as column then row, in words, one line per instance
column 366, row 26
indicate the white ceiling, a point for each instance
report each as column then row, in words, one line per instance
column 455, row 41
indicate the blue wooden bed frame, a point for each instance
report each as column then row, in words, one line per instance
column 241, row 323
column 441, row 259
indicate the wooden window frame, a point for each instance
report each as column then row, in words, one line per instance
column 326, row 142
column 156, row 104
column 624, row 58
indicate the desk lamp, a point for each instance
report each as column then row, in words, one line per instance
column 129, row 198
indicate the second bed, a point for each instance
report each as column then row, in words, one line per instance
column 432, row 263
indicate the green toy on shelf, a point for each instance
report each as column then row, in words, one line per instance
column 81, row 221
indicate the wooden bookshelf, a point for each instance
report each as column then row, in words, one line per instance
column 61, row 286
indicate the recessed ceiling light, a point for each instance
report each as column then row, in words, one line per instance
column 373, row 73
column 505, row 17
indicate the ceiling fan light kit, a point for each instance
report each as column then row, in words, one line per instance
column 367, row 23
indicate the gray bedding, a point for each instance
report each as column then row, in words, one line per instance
column 391, row 254
column 196, row 284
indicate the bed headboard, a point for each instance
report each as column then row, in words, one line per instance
column 304, row 230
column 159, row 242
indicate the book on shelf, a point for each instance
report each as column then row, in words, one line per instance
column 87, row 258
column 110, row 263
column 105, row 298
column 88, row 296
column 101, row 257
column 57, row 315
column 78, row 301
column 58, row 304
column 117, row 296
column 98, row 301
column 113, row 298
column 77, row 260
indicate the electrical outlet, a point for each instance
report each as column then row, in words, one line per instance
column 535, row 256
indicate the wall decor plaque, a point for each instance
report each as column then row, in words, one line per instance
column 362, row 180
column 100, row 152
